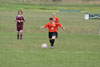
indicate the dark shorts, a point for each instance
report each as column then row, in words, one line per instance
column 53, row 34
column 19, row 26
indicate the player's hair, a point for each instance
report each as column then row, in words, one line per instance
column 54, row 13
column 20, row 11
column 50, row 18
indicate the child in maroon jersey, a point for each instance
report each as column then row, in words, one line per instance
column 19, row 24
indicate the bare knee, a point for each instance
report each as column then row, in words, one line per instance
column 53, row 37
column 21, row 31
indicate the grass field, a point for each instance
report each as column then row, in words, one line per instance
column 31, row 5
column 77, row 46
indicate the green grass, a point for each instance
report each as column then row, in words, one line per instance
column 90, row 9
column 73, row 22
column 17, row 5
column 77, row 46
column 70, row 50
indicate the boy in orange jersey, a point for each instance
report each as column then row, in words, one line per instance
column 55, row 18
column 52, row 28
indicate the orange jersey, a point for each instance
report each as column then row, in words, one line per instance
column 56, row 19
column 53, row 27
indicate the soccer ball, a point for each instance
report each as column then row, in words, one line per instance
column 44, row 45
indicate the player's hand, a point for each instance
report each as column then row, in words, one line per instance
column 63, row 28
column 18, row 21
column 22, row 20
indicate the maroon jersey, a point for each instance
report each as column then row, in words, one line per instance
column 19, row 18
column 19, row 22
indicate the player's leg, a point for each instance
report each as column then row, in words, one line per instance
column 21, row 34
column 52, row 39
column 17, row 34
column 51, row 42
column 54, row 36
column 21, row 31
column 18, row 31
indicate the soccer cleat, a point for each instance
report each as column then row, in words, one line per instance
column 20, row 38
column 51, row 47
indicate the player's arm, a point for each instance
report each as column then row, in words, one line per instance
column 23, row 20
column 61, row 26
column 17, row 19
column 45, row 26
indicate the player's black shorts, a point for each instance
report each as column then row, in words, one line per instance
column 53, row 34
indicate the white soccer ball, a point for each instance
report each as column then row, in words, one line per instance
column 44, row 45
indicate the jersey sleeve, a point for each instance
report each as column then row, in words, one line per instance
column 46, row 25
column 57, row 19
column 16, row 17
column 58, row 24
column 23, row 18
